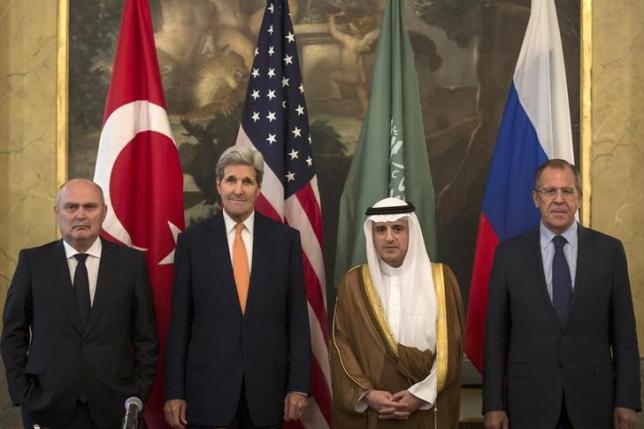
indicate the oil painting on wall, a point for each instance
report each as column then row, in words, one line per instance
column 465, row 52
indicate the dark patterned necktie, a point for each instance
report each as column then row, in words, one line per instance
column 81, row 288
column 561, row 281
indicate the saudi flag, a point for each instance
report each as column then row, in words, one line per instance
column 391, row 156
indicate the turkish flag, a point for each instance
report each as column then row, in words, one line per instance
column 138, row 168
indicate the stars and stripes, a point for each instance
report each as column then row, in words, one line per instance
column 275, row 122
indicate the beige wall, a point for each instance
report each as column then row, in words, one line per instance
column 28, row 36
column 617, row 152
column 28, row 130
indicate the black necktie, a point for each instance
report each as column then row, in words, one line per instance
column 561, row 281
column 81, row 288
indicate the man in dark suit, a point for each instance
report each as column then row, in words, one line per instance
column 79, row 333
column 560, row 347
column 238, row 346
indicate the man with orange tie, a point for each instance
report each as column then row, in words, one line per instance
column 238, row 352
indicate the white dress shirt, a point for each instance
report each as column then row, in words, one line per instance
column 92, row 263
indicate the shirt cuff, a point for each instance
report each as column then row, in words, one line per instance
column 361, row 405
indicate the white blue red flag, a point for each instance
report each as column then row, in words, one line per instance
column 535, row 127
column 275, row 122
column 138, row 168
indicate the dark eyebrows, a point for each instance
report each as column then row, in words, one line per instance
column 233, row 178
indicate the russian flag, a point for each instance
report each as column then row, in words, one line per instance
column 535, row 127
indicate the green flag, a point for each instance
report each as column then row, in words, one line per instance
column 391, row 156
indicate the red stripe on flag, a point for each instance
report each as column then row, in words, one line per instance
column 264, row 206
column 486, row 243
column 311, row 207
column 321, row 390
column 314, row 295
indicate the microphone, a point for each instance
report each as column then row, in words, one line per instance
column 133, row 407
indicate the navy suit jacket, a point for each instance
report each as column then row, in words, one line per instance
column 532, row 363
column 213, row 346
column 51, row 366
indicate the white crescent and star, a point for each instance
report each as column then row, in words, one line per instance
column 120, row 128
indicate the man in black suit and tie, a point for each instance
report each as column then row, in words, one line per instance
column 79, row 334
column 238, row 346
column 560, row 347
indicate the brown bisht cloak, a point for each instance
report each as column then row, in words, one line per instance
column 365, row 355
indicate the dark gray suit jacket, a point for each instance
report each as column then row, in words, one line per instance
column 212, row 346
column 51, row 362
column 532, row 363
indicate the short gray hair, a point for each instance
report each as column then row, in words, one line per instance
column 240, row 155
column 558, row 164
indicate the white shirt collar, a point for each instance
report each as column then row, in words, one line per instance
column 230, row 223
column 570, row 234
column 94, row 250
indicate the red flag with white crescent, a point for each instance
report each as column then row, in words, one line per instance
column 138, row 168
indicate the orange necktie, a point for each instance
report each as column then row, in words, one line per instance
column 240, row 267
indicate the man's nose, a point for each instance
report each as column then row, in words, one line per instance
column 559, row 196
column 389, row 235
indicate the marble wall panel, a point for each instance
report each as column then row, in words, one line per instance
column 27, row 128
column 617, row 157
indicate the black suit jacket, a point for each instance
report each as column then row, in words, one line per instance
column 112, row 359
column 531, row 362
column 212, row 346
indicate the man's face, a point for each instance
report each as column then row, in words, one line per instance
column 391, row 240
column 238, row 190
column 557, row 198
column 80, row 213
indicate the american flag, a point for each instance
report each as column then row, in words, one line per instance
column 275, row 122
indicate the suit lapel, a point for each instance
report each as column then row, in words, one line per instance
column 261, row 256
column 535, row 263
column 63, row 281
column 218, row 253
column 584, row 259
column 107, row 269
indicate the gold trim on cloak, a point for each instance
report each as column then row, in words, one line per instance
column 375, row 304
column 442, row 345
column 335, row 344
